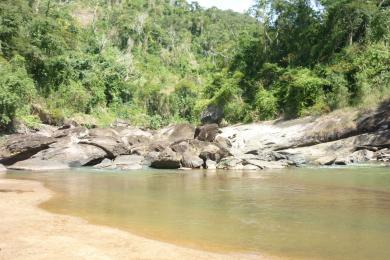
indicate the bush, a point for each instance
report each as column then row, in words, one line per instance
column 17, row 89
column 266, row 105
column 299, row 90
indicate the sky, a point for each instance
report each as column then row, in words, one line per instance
column 236, row 5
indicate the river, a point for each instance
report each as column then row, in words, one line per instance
column 303, row 213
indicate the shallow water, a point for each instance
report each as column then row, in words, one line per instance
column 327, row 213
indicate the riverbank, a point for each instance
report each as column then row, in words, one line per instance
column 342, row 137
column 28, row 232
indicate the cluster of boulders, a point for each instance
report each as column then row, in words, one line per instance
column 126, row 148
column 334, row 139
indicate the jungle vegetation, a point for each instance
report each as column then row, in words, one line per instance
column 156, row 62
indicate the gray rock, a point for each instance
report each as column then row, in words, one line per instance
column 191, row 161
column 207, row 132
column 266, row 164
column 383, row 155
column 113, row 146
column 230, row 163
column 361, row 156
column 21, row 147
column 105, row 164
column 167, row 159
column 211, row 165
column 175, row 133
column 36, row 164
column 326, row 160
column 129, row 162
column 72, row 154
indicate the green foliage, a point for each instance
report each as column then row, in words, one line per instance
column 159, row 62
column 16, row 89
column 266, row 105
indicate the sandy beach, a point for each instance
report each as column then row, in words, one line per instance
column 28, row 232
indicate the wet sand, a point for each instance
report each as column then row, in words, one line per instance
column 28, row 232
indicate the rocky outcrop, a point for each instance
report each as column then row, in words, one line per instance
column 342, row 138
column 20, row 147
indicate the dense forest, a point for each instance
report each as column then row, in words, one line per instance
column 156, row 62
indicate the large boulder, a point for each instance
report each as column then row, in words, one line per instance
column 192, row 161
column 129, row 162
column 212, row 115
column 72, row 154
column 36, row 164
column 207, row 132
column 21, row 147
column 175, row 133
column 167, row 159
column 112, row 146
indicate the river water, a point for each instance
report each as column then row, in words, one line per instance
column 306, row 213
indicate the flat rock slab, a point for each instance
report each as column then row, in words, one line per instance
column 39, row 165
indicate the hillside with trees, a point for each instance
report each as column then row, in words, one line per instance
column 157, row 62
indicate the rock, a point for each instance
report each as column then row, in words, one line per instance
column 207, row 132
column 230, row 163
column 37, row 164
column 383, row 155
column 326, row 160
column 167, row 159
column 266, row 164
column 22, row 147
column 129, row 162
column 2, row 169
column 269, row 155
column 223, row 142
column 211, row 115
column 72, row 154
column 211, row 165
column 72, row 132
column 360, row 156
column 111, row 145
column 191, row 161
column 296, row 159
column 175, row 133
column 105, row 164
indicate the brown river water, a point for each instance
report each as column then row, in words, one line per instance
column 305, row 213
